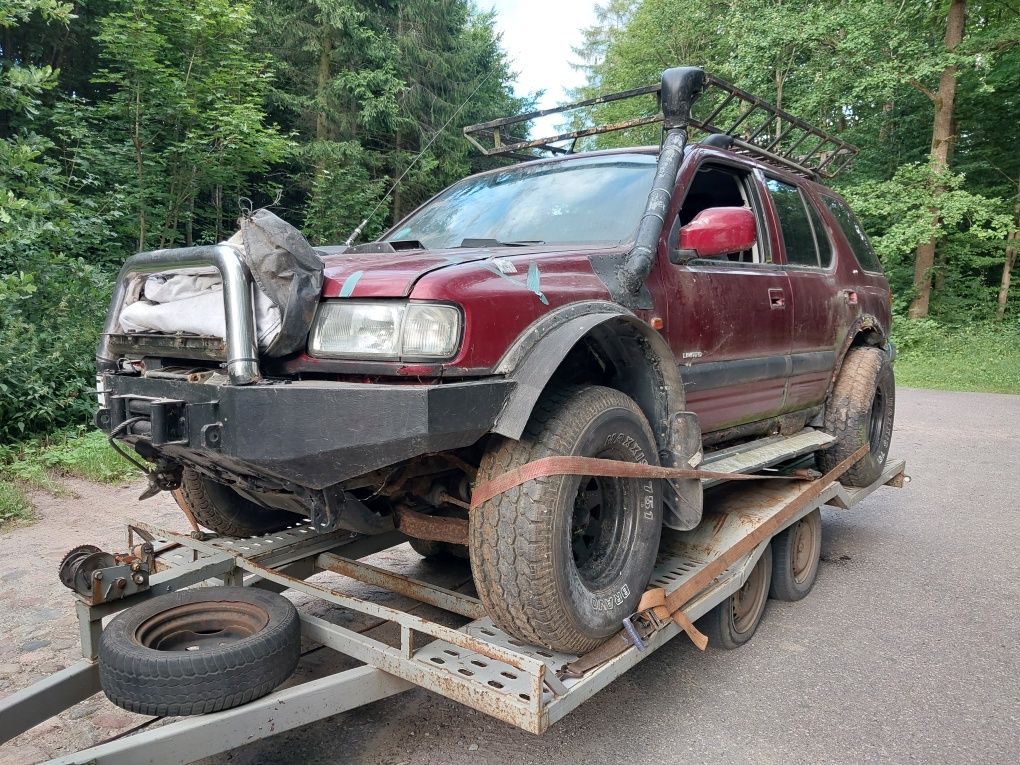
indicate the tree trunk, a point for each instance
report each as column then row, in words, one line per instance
column 136, row 140
column 1012, row 245
column 322, row 84
column 941, row 145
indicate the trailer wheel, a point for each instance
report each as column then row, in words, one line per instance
column 734, row 621
column 561, row 560
column 795, row 555
column 860, row 411
column 226, row 512
column 198, row 651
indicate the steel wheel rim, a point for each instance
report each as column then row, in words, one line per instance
column 201, row 626
column 803, row 543
column 876, row 422
column 747, row 603
column 598, row 528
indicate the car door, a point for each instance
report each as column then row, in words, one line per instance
column 728, row 319
column 818, row 305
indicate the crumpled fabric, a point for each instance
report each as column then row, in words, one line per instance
column 288, row 281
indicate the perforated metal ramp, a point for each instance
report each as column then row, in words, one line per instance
column 763, row 453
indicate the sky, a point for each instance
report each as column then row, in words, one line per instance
column 539, row 36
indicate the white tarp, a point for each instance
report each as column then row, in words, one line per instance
column 191, row 300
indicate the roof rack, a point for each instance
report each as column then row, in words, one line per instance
column 757, row 128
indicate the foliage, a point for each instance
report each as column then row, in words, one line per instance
column 137, row 124
column 981, row 357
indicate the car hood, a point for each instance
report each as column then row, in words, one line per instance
column 394, row 274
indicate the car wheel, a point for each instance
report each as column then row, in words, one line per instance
column 198, row 651
column 734, row 621
column 795, row 555
column 860, row 412
column 560, row 561
column 223, row 510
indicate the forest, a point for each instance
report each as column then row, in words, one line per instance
column 128, row 125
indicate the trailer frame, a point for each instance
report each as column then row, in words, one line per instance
column 476, row 664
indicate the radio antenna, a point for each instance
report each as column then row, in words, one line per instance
column 361, row 226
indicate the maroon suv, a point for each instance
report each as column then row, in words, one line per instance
column 643, row 305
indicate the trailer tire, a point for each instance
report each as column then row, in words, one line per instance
column 859, row 412
column 223, row 510
column 733, row 622
column 795, row 555
column 248, row 642
column 561, row 560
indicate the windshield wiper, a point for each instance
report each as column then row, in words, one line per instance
column 469, row 242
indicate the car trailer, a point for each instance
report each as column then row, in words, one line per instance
column 476, row 664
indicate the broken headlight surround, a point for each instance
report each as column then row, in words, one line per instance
column 386, row 330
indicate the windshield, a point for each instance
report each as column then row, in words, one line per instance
column 598, row 199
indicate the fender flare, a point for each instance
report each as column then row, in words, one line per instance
column 536, row 355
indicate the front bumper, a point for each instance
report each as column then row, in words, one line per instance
column 314, row 434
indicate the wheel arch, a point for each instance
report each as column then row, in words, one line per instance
column 600, row 343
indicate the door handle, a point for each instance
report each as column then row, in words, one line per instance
column 777, row 298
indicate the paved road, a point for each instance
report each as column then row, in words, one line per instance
column 905, row 651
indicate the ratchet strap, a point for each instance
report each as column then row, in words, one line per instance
column 599, row 468
column 656, row 608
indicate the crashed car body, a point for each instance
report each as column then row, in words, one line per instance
column 499, row 323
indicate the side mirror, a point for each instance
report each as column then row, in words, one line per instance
column 715, row 232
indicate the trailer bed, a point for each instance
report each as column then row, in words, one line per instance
column 476, row 664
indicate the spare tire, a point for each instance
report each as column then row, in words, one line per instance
column 223, row 510
column 198, row 651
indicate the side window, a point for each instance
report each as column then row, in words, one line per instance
column 798, row 236
column 854, row 233
column 821, row 236
column 720, row 186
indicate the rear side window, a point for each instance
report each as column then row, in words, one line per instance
column 854, row 233
column 798, row 237
column 821, row 237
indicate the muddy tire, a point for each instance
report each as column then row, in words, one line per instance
column 561, row 560
column 221, row 509
column 734, row 621
column 795, row 555
column 860, row 411
column 198, row 651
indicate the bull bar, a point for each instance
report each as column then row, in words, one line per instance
column 242, row 348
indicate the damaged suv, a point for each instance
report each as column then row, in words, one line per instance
column 647, row 305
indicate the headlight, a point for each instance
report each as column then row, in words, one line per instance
column 385, row 330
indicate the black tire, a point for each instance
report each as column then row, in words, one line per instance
column 560, row 561
column 860, row 411
column 438, row 551
column 221, row 509
column 795, row 555
column 733, row 622
column 248, row 642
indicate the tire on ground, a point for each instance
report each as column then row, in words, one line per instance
column 860, row 411
column 223, row 510
column 734, row 621
column 198, row 651
column 795, row 555
column 561, row 560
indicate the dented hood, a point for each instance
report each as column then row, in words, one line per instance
column 392, row 274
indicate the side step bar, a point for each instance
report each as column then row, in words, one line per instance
column 763, row 453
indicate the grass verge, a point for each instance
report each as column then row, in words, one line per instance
column 981, row 357
column 41, row 464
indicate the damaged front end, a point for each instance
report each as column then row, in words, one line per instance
column 205, row 403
